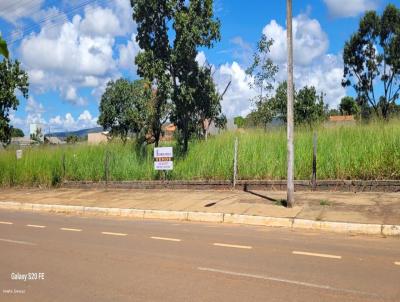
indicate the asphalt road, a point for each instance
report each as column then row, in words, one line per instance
column 69, row 258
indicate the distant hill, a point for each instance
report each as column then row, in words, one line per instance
column 78, row 133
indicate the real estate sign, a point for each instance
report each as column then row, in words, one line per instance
column 163, row 158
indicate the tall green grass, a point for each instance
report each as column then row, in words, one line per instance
column 366, row 152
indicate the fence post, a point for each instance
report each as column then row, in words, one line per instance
column 107, row 166
column 314, row 163
column 63, row 166
column 235, row 162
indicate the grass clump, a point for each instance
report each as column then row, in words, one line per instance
column 324, row 203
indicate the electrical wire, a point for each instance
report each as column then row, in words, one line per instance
column 53, row 17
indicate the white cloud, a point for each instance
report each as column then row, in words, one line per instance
column 69, row 123
column 79, row 53
column 236, row 101
column 17, row 122
column 100, row 21
column 33, row 107
column 201, row 58
column 12, row 10
column 243, row 50
column 69, row 52
column 313, row 66
column 86, row 120
column 54, row 124
column 128, row 52
column 325, row 75
column 123, row 9
column 35, row 111
column 309, row 40
column 346, row 8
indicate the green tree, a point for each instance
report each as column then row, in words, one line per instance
column 348, row 106
column 194, row 27
column 263, row 70
column 123, row 107
column 12, row 77
column 333, row 112
column 208, row 102
column 154, row 59
column 72, row 139
column 3, row 48
column 372, row 60
column 168, row 57
column 16, row 132
column 239, row 121
column 309, row 107
column 279, row 102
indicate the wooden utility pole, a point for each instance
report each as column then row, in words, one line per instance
column 290, row 96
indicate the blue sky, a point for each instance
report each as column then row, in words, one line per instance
column 71, row 48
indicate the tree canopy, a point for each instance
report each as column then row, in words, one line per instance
column 348, row 106
column 309, row 107
column 263, row 72
column 372, row 60
column 123, row 107
column 16, row 132
column 3, row 48
column 169, row 34
column 12, row 78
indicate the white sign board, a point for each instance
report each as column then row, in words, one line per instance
column 163, row 158
column 18, row 153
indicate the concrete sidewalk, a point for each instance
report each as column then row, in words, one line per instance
column 364, row 208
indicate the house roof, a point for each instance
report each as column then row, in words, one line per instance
column 54, row 140
column 26, row 140
column 170, row 127
column 341, row 118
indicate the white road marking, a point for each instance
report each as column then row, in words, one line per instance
column 114, row 234
column 316, row 255
column 165, row 238
column 17, row 241
column 247, row 247
column 71, row 230
column 397, row 263
column 282, row 280
column 36, row 226
column 5, row 222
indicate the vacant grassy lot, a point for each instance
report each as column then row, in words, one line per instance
column 348, row 152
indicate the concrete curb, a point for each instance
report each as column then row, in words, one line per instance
column 293, row 223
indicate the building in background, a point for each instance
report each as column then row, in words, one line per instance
column 53, row 140
column 341, row 120
column 98, row 137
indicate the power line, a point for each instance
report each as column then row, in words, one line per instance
column 37, row 24
column 52, row 17
column 16, row 5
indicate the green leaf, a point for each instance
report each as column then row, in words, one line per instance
column 3, row 48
